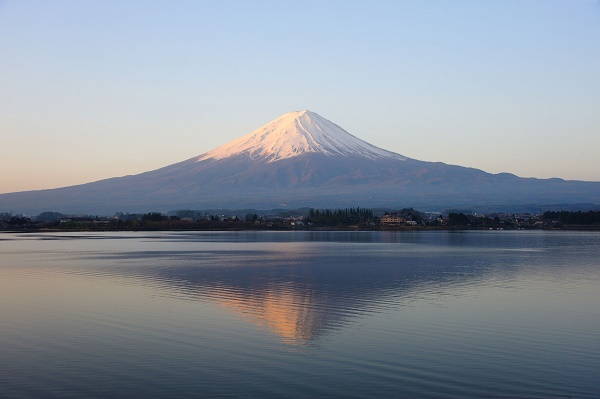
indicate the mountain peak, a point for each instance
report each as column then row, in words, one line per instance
column 296, row 133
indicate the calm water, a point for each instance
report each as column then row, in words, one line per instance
column 300, row 314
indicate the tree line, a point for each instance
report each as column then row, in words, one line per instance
column 347, row 216
column 574, row 218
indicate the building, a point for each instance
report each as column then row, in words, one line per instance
column 392, row 219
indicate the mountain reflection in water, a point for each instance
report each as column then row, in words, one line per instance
column 303, row 290
column 300, row 314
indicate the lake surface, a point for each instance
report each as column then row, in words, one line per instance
column 487, row 314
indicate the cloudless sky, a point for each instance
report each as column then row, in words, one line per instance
column 97, row 89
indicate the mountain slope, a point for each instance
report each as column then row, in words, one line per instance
column 297, row 133
column 301, row 159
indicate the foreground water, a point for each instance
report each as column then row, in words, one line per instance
column 300, row 314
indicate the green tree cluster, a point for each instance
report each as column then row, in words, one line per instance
column 154, row 217
column 589, row 218
column 412, row 214
column 347, row 216
column 458, row 219
column 19, row 221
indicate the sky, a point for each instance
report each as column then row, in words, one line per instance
column 97, row 89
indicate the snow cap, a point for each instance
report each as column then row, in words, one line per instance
column 296, row 133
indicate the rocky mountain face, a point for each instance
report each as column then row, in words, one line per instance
column 302, row 159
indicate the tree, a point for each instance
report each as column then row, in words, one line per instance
column 458, row 219
column 153, row 217
column 49, row 217
column 18, row 221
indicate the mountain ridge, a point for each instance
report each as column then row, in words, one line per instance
column 301, row 159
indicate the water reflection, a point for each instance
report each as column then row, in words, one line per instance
column 304, row 285
column 378, row 314
column 289, row 313
column 303, row 290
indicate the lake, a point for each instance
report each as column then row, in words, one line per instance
column 427, row 314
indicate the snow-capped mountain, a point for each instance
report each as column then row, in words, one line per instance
column 302, row 159
column 297, row 133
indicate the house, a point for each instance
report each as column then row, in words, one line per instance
column 392, row 219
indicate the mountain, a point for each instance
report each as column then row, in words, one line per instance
column 298, row 133
column 302, row 159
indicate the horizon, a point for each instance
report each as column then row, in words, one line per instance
column 103, row 89
column 478, row 210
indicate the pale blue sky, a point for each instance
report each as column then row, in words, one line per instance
column 96, row 89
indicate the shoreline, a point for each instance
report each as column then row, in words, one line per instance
column 311, row 228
